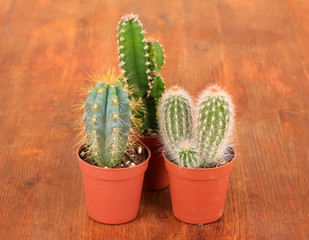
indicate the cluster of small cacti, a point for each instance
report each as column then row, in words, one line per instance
column 140, row 61
column 107, row 119
column 202, row 140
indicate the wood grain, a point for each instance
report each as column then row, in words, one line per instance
column 258, row 50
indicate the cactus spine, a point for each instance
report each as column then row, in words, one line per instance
column 107, row 118
column 141, row 61
column 205, row 145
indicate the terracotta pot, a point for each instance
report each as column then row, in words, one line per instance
column 156, row 176
column 113, row 195
column 198, row 195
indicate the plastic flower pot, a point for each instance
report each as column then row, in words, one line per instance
column 198, row 194
column 156, row 176
column 113, row 195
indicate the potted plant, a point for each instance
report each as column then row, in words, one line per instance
column 141, row 60
column 198, row 155
column 112, row 163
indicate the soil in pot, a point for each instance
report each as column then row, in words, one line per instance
column 131, row 158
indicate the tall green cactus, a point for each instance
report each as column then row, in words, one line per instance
column 141, row 61
column 205, row 145
column 107, row 118
column 175, row 118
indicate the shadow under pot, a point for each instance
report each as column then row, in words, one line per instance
column 198, row 194
column 113, row 195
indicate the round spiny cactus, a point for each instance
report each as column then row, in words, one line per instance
column 187, row 154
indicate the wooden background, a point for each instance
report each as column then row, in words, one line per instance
column 257, row 49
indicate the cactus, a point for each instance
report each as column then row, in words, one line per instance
column 140, row 61
column 213, row 124
column 107, row 118
column 187, row 154
column 206, row 144
column 175, row 119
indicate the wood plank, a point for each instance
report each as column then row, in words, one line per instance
column 258, row 50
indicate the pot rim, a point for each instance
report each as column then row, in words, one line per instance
column 113, row 174
column 199, row 173
column 112, row 169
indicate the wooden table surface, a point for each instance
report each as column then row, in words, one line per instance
column 257, row 49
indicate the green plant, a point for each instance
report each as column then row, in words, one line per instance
column 140, row 61
column 187, row 154
column 175, row 119
column 214, row 124
column 107, row 120
column 206, row 144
